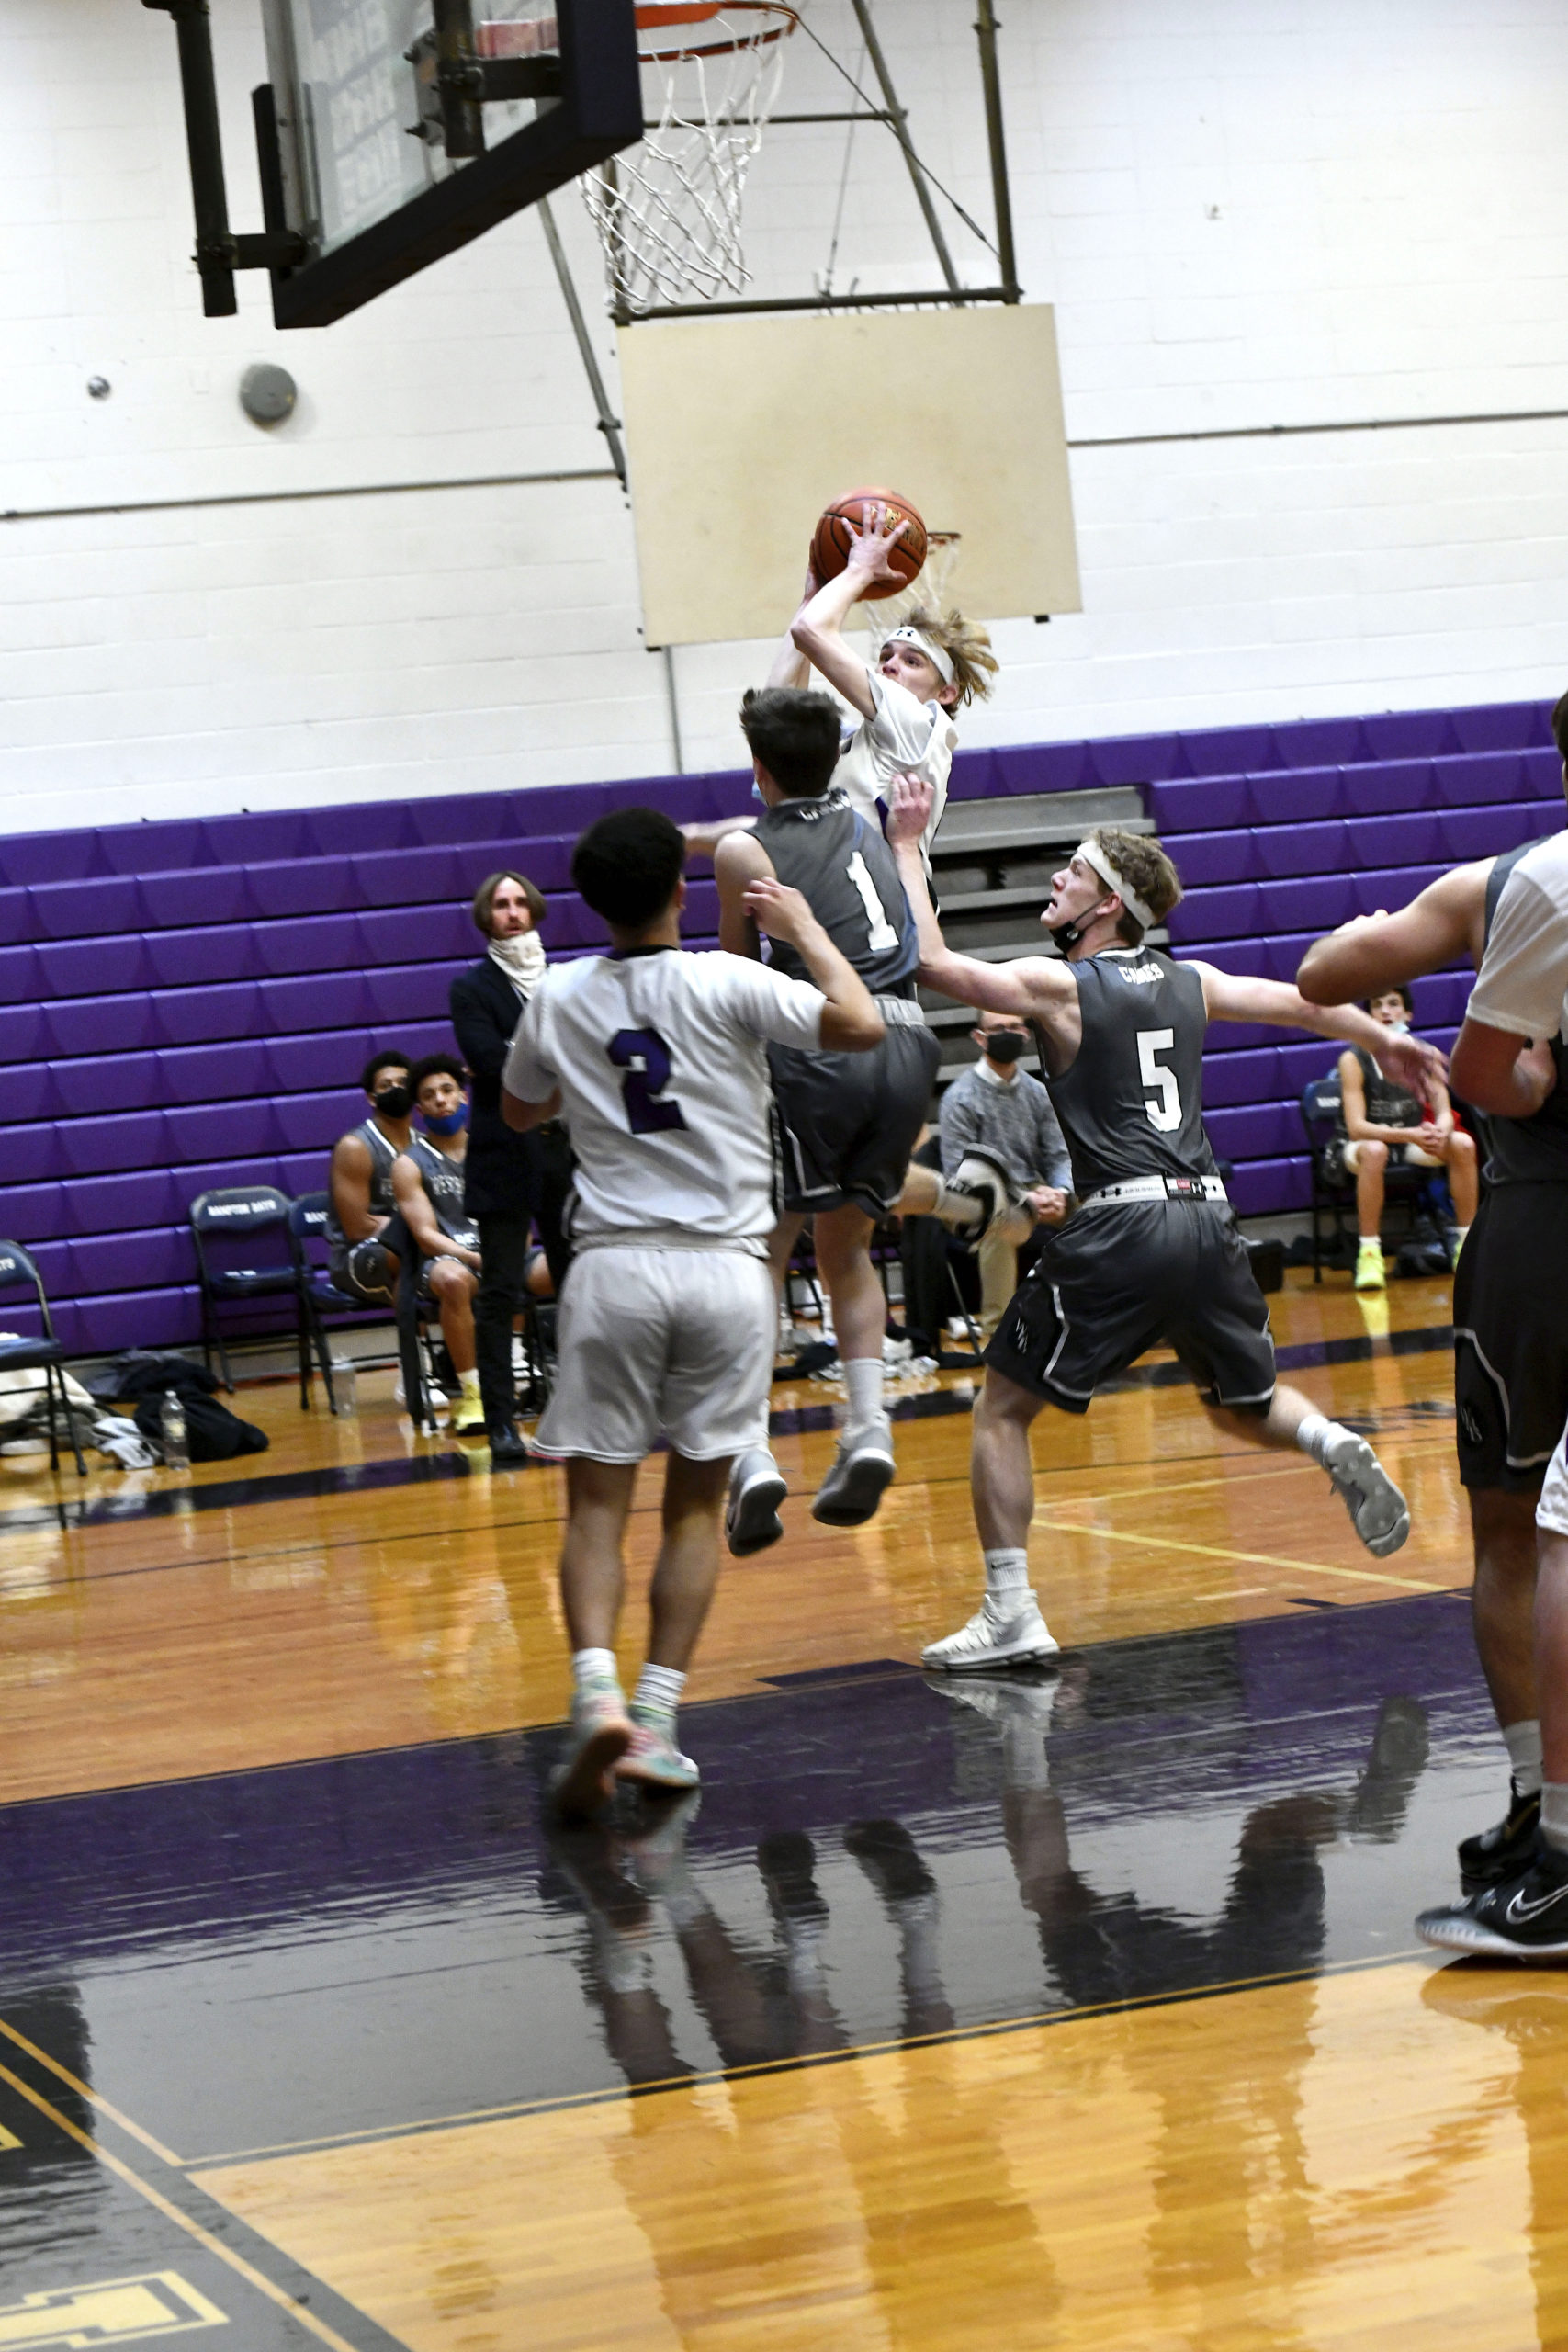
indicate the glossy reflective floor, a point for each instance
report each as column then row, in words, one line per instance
column 1083, row 2009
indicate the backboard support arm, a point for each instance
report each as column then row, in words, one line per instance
column 219, row 253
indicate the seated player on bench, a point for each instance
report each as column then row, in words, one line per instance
column 363, row 1231
column 1380, row 1123
column 428, row 1185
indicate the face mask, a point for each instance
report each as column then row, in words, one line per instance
column 1005, row 1044
column 394, row 1101
column 757, row 794
column 1400, row 1028
column 453, row 1123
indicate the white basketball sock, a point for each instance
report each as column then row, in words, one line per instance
column 659, row 1687
column 590, row 1669
column 1522, row 1741
column 1007, row 1584
column 1554, row 1814
column 956, row 1209
column 1316, row 1432
column 863, row 1379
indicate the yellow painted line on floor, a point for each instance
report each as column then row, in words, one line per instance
column 1249, row 1559
column 236, row 2262
column 93, row 2098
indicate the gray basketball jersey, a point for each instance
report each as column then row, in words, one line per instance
column 443, row 1181
column 1528, row 1151
column 846, row 873
column 1132, row 1105
column 382, row 1202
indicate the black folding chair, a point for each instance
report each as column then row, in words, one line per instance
column 1334, row 1198
column 244, row 1216
column 43, row 1354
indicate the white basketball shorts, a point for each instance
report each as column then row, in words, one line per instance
column 676, row 1343
column 1551, row 1511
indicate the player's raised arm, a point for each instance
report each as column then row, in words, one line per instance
column 1031, row 984
column 1371, row 953
column 817, row 630
column 1230, row 996
column 851, row 1022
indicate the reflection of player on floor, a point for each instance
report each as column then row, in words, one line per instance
column 1381, row 1121
column 1510, row 1313
column 668, row 1316
column 1153, row 1254
column 848, row 1124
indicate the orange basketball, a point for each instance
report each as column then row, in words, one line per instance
column 830, row 542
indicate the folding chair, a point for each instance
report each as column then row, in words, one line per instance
column 1334, row 1200
column 44, row 1354
column 247, row 1213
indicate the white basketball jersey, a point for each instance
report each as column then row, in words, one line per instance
column 660, row 1060
column 903, row 737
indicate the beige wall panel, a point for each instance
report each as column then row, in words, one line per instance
column 740, row 431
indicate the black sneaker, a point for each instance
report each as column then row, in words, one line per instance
column 1494, row 1855
column 1526, row 1920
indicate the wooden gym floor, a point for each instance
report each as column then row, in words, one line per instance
column 1077, row 2010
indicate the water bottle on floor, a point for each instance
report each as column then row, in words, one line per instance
column 175, row 1434
column 346, row 1388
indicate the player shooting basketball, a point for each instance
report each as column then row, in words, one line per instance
column 927, row 668
column 1154, row 1255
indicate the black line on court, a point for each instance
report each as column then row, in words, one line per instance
column 795, row 1420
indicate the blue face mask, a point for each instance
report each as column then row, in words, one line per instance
column 452, row 1125
column 757, row 794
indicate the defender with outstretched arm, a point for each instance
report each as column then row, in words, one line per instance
column 1154, row 1255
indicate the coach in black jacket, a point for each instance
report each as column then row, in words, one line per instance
column 511, row 1178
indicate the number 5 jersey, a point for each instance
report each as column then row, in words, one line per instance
column 660, row 1055
column 1132, row 1103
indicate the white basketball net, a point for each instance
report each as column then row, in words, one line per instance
column 668, row 212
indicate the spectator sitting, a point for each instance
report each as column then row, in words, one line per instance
column 998, row 1108
column 427, row 1183
column 362, row 1227
column 1379, row 1123
column 511, row 1178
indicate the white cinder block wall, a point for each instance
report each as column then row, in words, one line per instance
column 1249, row 214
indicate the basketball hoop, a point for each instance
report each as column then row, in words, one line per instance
column 668, row 212
column 931, row 590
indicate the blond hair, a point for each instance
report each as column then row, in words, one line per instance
column 1144, row 867
column 967, row 645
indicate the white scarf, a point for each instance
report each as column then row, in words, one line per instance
column 523, row 961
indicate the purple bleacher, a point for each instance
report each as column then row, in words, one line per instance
column 187, row 1003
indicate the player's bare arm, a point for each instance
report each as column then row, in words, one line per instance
column 522, row 1114
column 351, row 1189
column 851, row 1022
column 1039, row 987
column 740, row 861
column 1228, row 996
column 703, row 837
column 413, row 1202
column 818, row 630
column 1446, row 922
column 1505, row 1074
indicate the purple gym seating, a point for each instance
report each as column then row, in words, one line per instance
column 186, row 1005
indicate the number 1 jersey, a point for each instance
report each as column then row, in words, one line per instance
column 1131, row 1103
column 659, row 1057
column 850, row 879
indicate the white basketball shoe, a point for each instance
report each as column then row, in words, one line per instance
column 992, row 1642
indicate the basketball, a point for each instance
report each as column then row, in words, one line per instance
column 830, row 542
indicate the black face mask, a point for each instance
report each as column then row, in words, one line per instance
column 394, row 1101
column 1005, row 1044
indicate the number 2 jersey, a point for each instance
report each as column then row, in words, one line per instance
column 1131, row 1103
column 848, row 877
column 660, row 1058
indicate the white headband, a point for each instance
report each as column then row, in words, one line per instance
column 1139, row 908
column 940, row 662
